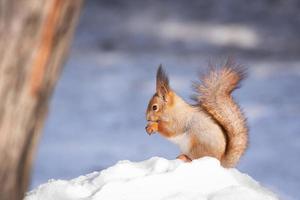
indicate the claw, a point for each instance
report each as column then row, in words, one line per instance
column 149, row 130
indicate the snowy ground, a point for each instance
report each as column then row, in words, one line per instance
column 97, row 112
column 159, row 179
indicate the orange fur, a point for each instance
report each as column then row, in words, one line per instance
column 163, row 128
column 216, row 127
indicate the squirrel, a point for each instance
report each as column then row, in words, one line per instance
column 214, row 126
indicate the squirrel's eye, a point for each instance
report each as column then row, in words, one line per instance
column 154, row 107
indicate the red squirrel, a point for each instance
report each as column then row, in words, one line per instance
column 215, row 126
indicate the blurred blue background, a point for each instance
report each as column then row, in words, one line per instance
column 97, row 113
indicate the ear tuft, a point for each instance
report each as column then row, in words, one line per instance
column 162, row 82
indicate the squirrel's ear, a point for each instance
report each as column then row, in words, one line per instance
column 162, row 83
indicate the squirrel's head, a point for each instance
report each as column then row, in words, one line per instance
column 162, row 98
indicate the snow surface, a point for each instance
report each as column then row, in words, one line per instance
column 157, row 179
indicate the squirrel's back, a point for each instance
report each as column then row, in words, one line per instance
column 214, row 96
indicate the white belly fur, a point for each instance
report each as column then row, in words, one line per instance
column 183, row 141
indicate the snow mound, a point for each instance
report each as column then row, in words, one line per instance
column 157, row 179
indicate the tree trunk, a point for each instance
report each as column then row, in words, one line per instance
column 34, row 41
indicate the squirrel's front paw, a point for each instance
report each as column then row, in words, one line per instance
column 151, row 127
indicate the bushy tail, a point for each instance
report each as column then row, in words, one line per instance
column 215, row 97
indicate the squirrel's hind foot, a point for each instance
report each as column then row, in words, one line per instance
column 184, row 158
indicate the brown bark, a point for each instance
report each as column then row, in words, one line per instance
column 34, row 41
